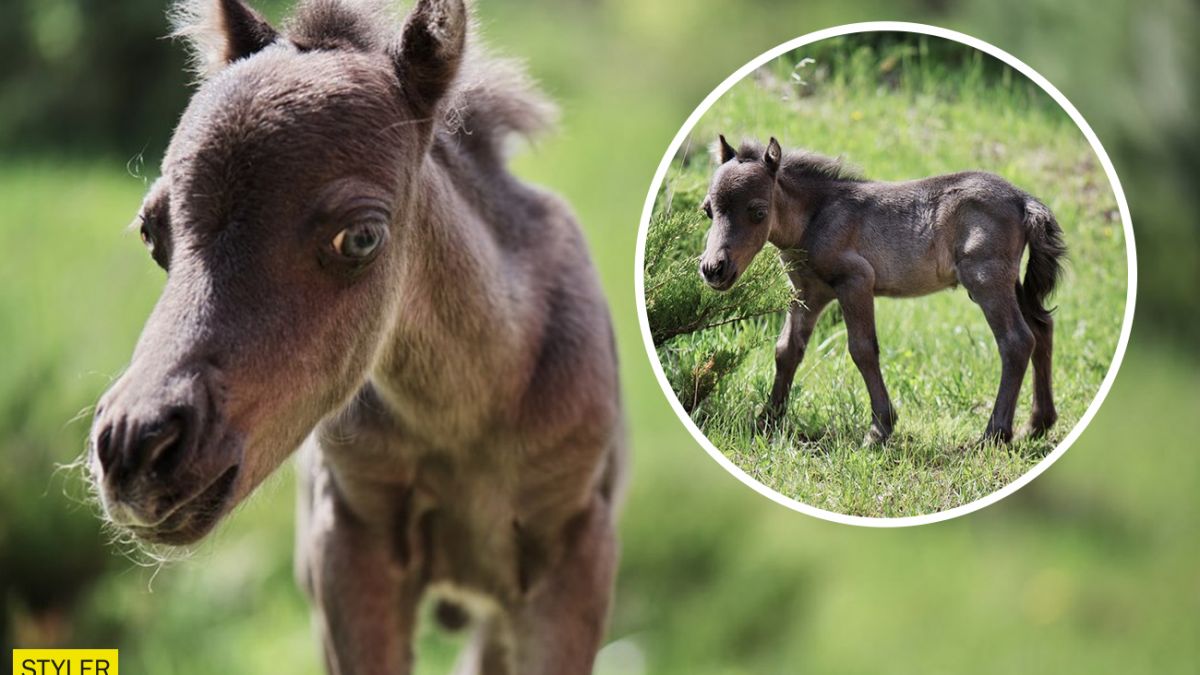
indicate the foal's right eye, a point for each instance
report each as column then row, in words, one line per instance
column 360, row 241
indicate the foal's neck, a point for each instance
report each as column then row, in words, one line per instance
column 797, row 199
column 460, row 321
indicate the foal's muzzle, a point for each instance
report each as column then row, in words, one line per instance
column 718, row 271
column 160, row 456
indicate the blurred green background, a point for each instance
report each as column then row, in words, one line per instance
column 1093, row 568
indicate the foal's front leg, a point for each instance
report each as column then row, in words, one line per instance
column 365, row 600
column 789, row 350
column 559, row 628
column 856, row 295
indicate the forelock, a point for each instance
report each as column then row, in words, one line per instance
column 362, row 25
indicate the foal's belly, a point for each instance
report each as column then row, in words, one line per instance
column 913, row 283
column 912, row 270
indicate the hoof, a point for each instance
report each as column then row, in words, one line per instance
column 881, row 427
column 766, row 423
column 876, row 435
column 997, row 436
column 1037, row 427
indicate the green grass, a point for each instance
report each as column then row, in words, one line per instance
column 938, row 356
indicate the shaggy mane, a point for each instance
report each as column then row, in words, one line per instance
column 492, row 99
column 803, row 163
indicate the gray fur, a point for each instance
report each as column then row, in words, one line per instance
column 455, row 396
column 848, row 239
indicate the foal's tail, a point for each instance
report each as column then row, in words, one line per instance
column 1046, row 252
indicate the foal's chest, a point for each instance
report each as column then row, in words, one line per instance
column 466, row 521
column 452, row 513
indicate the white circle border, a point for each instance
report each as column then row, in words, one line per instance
column 1131, row 259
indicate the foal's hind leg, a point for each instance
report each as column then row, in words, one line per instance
column 1043, row 415
column 991, row 286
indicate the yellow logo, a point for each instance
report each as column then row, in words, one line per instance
column 64, row 662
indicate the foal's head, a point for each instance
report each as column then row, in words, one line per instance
column 279, row 217
column 739, row 204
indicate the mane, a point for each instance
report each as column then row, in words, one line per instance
column 493, row 98
column 804, row 164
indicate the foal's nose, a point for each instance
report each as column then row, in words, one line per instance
column 146, row 441
column 713, row 271
column 128, row 447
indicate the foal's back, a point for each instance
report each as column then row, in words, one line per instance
column 915, row 233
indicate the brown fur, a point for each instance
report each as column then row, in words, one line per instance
column 848, row 239
column 455, row 393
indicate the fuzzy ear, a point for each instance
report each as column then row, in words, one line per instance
column 431, row 50
column 773, row 155
column 220, row 32
column 723, row 150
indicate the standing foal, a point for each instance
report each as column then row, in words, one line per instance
column 352, row 269
column 847, row 239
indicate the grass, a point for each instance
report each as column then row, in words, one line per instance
column 896, row 116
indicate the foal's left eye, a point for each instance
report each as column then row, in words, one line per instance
column 758, row 214
column 360, row 241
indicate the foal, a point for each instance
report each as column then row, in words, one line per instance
column 352, row 269
column 847, row 239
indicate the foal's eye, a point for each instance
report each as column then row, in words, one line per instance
column 707, row 210
column 360, row 241
column 147, row 235
column 758, row 214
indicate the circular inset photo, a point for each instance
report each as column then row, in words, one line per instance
column 886, row 274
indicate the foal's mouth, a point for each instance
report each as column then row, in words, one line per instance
column 190, row 520
column 723, row 285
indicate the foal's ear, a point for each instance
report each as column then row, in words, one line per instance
column 773, row 155
column 220, row 32
column 723, row 150
column 431, row 50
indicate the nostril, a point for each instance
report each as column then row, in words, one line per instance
column 712, row 270
column 105, row 448
column 161, row 447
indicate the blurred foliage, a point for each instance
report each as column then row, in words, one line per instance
column 1092, row 569
column 82, row 77
column 78, row 76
